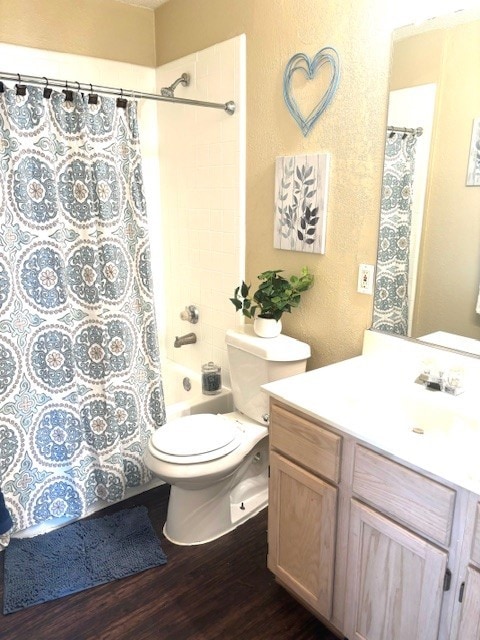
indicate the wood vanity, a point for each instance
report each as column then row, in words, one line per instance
column 377, row 547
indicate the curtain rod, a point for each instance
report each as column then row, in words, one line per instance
column 416, row 132
column 229, row 106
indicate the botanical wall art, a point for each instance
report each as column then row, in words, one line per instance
column 473, row 171
column 301, row 190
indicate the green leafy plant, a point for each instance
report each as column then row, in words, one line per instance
column 274, row 296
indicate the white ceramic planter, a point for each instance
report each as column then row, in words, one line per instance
column 267, row 327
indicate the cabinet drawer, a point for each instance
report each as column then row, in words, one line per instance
column 475, row 553
column 403, row 494
column 306, row 442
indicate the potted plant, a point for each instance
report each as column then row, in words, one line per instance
column 275, row 296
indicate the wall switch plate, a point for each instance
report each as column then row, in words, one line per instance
column 365, row 278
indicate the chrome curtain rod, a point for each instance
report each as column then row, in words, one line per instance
column 229, row 106
column 416, row 132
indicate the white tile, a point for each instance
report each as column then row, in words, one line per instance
column 228, row 243
column 230, row 152
column 228, row 222
column 216, row 219
column 202, row 154
column 217, row 152
column 205, row 227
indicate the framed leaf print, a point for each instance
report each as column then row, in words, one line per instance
column 301, row 191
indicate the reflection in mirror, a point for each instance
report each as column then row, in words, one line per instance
column 428, row 265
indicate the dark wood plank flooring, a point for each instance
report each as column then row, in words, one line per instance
column 221, row 590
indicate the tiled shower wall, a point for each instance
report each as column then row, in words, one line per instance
column 202, row 187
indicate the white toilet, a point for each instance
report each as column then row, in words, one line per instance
column 218, row 464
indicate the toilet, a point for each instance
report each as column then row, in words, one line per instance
column 217, row 465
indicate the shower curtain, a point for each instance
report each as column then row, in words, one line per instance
column 80, row 386
column 390, row 305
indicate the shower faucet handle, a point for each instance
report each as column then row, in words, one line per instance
column 190, row 314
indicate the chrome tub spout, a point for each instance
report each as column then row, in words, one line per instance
column 189, row 338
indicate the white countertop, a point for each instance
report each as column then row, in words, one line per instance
column 378, row 402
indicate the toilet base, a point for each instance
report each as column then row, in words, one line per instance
column 239, row 515
column 197, row 516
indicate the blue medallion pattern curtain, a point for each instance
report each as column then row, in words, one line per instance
column 390, row 310
column 80, row 386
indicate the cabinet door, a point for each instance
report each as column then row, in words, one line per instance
column 394, row 580
column 301, row 532
column 470, row 619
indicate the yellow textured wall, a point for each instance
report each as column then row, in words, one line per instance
column 332, row 316
column 97, row 28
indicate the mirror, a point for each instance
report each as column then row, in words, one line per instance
column 434, row 86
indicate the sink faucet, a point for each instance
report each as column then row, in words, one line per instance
column 450, row 381
column 188, row 338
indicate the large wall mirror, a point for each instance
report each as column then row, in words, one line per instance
column 428, row 266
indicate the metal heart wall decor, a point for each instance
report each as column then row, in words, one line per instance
column 301, row 62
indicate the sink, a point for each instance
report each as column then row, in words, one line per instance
column 425, row 417
column 417, row 412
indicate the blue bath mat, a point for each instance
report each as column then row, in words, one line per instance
column 83, row 554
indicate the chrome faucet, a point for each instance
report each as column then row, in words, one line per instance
column 450, row 381
column 188, row 338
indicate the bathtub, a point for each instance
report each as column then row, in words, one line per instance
column 182, row 389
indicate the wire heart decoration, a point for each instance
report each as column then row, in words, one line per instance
column 301, row 62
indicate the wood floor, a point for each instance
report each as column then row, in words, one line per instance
column 221, row 590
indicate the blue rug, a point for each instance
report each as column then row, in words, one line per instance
column 83, row 554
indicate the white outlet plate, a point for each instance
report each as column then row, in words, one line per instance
column 365, row 278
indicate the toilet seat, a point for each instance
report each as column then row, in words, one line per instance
column 196, row 438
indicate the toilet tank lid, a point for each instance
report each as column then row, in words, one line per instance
column 281, row 349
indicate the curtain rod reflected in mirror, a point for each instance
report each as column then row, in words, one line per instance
column 415, row 132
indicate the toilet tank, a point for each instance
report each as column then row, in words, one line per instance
column 254, row 361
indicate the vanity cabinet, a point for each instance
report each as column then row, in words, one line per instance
column 301, row 533
column 302, row 514
column 395, row 580
column 469, row 594
column 396, row 569
column 376, row 548
column 470, row 619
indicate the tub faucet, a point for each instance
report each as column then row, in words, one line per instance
column 188, row 338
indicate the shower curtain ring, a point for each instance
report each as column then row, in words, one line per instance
column 68, row 93
column 47, row 92
column 21, row 89
column 92, row 97
column 121, row 101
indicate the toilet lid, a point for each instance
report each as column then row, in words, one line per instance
column 202, row 437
